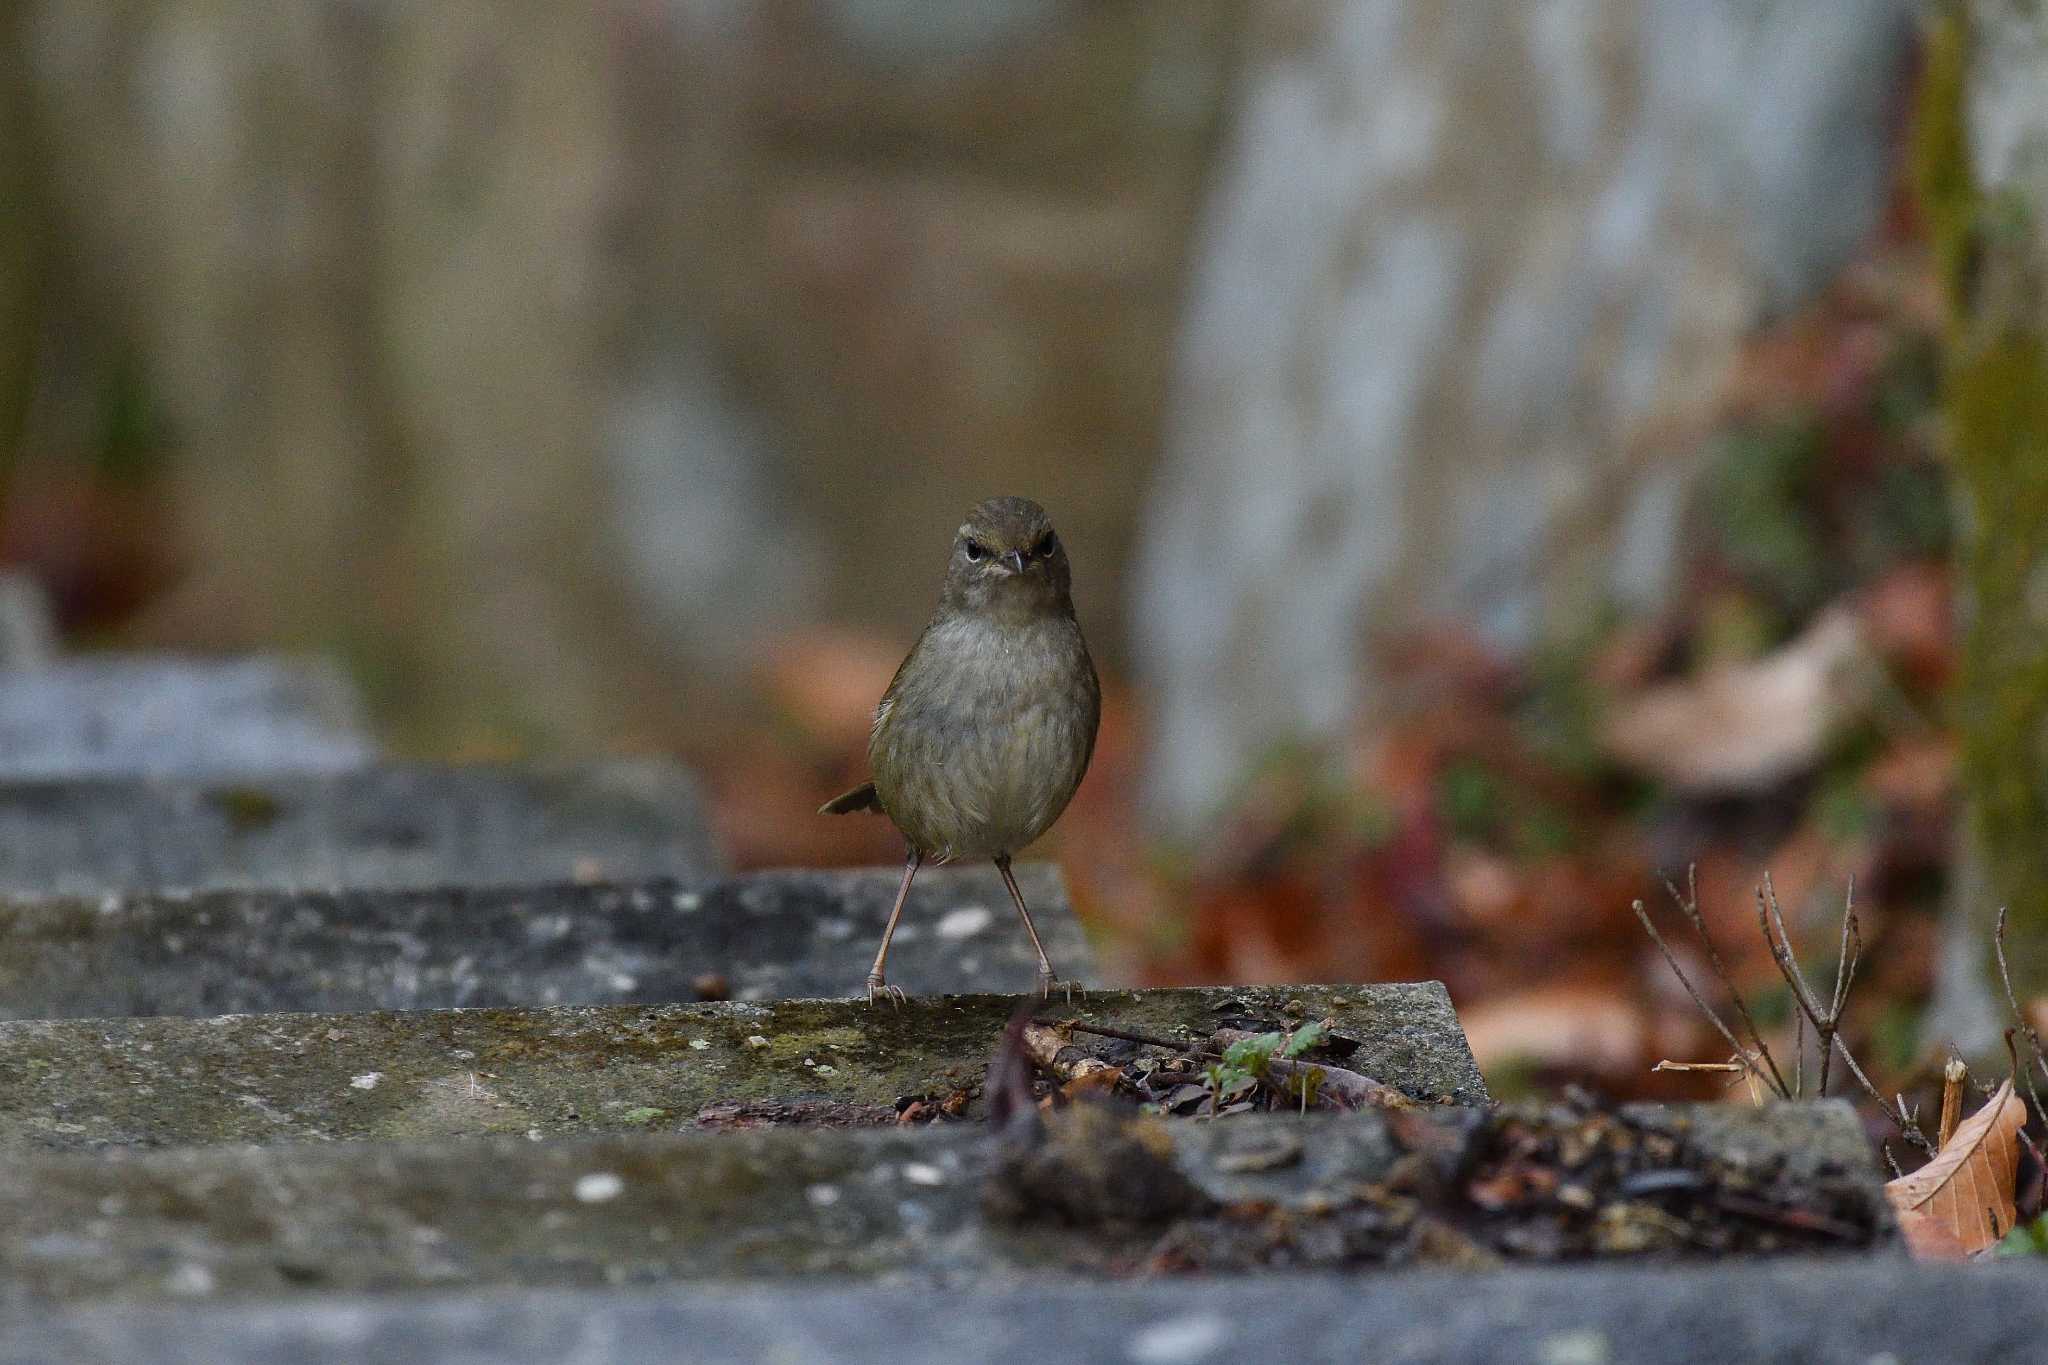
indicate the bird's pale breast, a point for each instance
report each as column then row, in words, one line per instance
column 982, row 742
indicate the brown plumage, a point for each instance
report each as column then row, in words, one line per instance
column 988, row 725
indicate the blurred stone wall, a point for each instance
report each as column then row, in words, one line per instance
column 1468, row 276
column 545, row 357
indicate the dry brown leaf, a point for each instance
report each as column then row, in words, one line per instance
column 1586, row 1026
column 1743, row 727
column 1962, row 1201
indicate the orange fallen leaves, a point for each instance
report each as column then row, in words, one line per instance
column 1961, row 1202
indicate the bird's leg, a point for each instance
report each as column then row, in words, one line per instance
column 876, row 984
column 1046, row 979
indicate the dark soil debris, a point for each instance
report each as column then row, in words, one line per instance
column 1551, row 1183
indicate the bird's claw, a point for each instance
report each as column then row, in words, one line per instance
column 878, row 987
column 1047, row 983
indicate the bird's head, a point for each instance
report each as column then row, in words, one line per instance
column 1008, row 561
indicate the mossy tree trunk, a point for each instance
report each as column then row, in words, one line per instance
column 1982, row 166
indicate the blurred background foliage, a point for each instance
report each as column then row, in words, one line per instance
column 1504, row 447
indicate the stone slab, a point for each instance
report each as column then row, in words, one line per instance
column 391, row 826
column 554, row 1072
column 158, row 716
column 1839, row 1311
column 892, row 1202
column 28, row 637
column 762, row 935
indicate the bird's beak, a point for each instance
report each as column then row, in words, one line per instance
column 1015, row 559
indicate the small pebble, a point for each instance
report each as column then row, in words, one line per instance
column 598, row 1186
column 965, row 922
column 1179, row 1340
column 367, row 1081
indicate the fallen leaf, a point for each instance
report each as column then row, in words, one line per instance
column 1747, row 726
column 1962, row 1201
column 1584, row 1027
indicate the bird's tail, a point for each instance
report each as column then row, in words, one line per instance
column 860, row 798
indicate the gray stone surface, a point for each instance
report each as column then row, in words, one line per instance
column 396, row 825
column 120, row 716
column 28, row 638
column 765, row 935
column 1834, row 1312
column 258, row 1078
column 880, row 1202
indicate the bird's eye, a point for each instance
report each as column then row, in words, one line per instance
column 976, row 552
column 1044, row 547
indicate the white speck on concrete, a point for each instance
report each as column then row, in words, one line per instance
column 965, row 922
column 1179, row 1340
column 700, row 1045
column 598, row 1186
column 189, row 1280
column 367, row 1081
column 534, row 1135
column 1587, row 1346
column 824, row 1196
column 923, row 1173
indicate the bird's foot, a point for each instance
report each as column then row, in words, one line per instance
column 1048, row 983
column 880, row 989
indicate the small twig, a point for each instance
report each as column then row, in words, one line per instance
column 2012, row 1055
column 1692, row 915
column 1689, row 906
column 1798, row 1219
column 1126, row 1036
column 1953, row 1074
column 1846, row 957
column 2026, row 1026
column 1780, row 944
column 1062, row 1060
column 1699, row 1066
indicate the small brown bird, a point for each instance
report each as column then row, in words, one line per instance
column 989, row 723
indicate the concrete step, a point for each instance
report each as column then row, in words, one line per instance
column 394, row 825
column 894, row 1203
column 751, row 937
column 554, row 1072
column 1839, row 1311
column 158, row 716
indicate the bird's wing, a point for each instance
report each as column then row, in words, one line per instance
column 860, row 798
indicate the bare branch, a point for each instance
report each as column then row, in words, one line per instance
column 1772, row 921
column 1671, row 961
column 1953, row 1075
column 1846, row 957
column 2026, row 1027
column 1688, row 905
